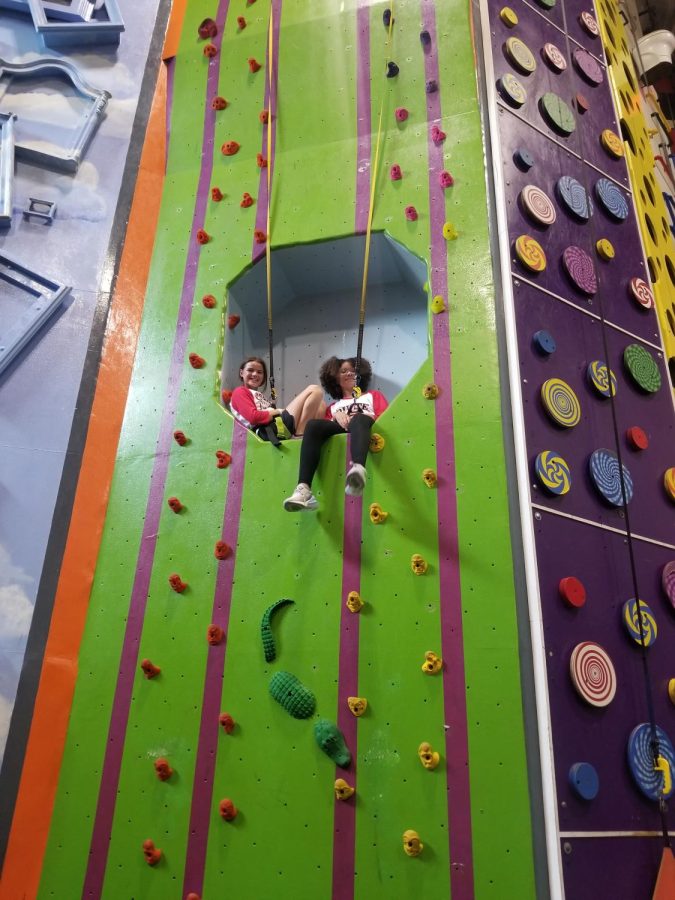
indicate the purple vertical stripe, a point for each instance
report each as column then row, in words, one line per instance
column 270, row 103
column 170, row 74
column 454, row 683
column 363, row 128
column 202, row 786
column 98, row 850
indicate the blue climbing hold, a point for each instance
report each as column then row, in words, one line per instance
column 584, row 780
column 523, row 158
column 392, row 70
column 386, row 18
column 431, row 86
column 425, row 37
column 544, row 342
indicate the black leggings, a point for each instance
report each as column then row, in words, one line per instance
column 317, row 432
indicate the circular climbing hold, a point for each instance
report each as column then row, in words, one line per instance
column 611, row 198
column 450, row 233
column 587, row 67
column 392, row 70
column 637, row 438
column 593, row 674
column 512, row 89
column 579, row 267
column 508, row 17
column 611, row 143
column 560, row 402
column 600, row 378
column 553, row 472
column 643, row 367
column 588, row 23
column 640, row 750
column 582, row 103
column 554, row 57
column 520, row 56
column 646, row 618
column 229, row 148
column 530, row 253
column 538, row 205
column 544, row 342
column 574, row 197
column 668, row 581
column 641, row 292
column 557, row 113
column 523, row 158
column 376, row 443
column 605, row 249
column 603, row 466
column 437, row 305
column 401, row 113
column 572, row 591
column 669, row 482
column 547, row 4
column 584, row 781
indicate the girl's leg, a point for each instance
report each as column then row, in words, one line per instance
column 316, row 434
column 307, row 405
column 359, row 429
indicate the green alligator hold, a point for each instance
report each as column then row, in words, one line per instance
column 330, row 739
column 295, row 698
column 266, row 629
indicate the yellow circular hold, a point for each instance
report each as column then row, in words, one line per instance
column 530, row 253
column 605, row 249
column 671, row 690
column 669, row 482
column 508, row 17
column 450, row 232
column 611, row 143
column 438, row 304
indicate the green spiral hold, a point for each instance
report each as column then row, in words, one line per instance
column 266, row 629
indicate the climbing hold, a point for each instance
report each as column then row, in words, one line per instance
column 264, row 116
column 260, row 161
column 226, row 395
column 671, row 690
column 222, row 550
column 192, row 896
column 207, row 29
column 246, row 200
column 218, row 103
column 572, row 591
column 266, row 629
column 395, row 173
column 431, row 86
column 163, row 769
column 150, row 670
column 214, row 635
column 544, row 342
column 554, row 57
column 432, row 664
column 642, row 367
column 180, row 438
column 343, row 791
column 418, row 564
column 401, row 113
column 508, row 17
column 553, row 472
column 557, row 113
column 641, row 292
column 227, row 722
column 437, row 305
column 210, row 50
column 177, row 584
column 216, row 194
column 523, row 158
column 538, row 205
column 354, row 601
column 582, row 103
column 386, row 18
column 229, row 148
column 636, row 613
column 450, row 233
column 259, row 236
column 669, row 482
column 605, row 249
column 637, row 438
column 445, row 179
column 411, row 213
column 430, row 391
column 357, row 705
column 429, row 477
column 203, row 237
column 377, row 514
column 530, row 253
column 227, row 809
column 412, row 844
column 175, row 504
column 584, row 781
column 425, row 38
column 151, row 853
column 295, row 698
column 392, row 70
column 241, row 23
column 233, row 321
column 429, row 757
column 520, row 56
column 512, row 90
column 253, row 64
column 223, row 459
column 603, row 381
column 196, row 361
column 376, row 444
column 209, row 301
column 331, row 740
column 437, row 136
column 589, row 24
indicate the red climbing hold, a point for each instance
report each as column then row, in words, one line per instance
column 261, row 162
column 209, row 301
column 264, row 116
column 196, row 361
column 216, row 194
column 207, row 29
column 163, row 769
column 227, row 722
column 227, row 809
column 222, row 550
column 401, row 113
column 446, row 180
column 203, row 237
column 395, row 172
column 572, row 591
column 223, row 459
column 175, row 504
column 214, row 635
column 151, row 853
column 233, row 321
column 437, row 136
column 246, row 201
column 218, row 103
column 259, row 236
column 210, row 50
column 150, row 670
column 253, row 64
column 177, row 583
column 180, row 438
column 411, row 213
column 637, row 438
column 229, row 148
column 226, row 395
column 241, row 22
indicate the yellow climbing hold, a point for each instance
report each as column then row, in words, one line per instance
column 605, row 249
column 429, row 477
column 508, row 17
column 376, row 444
column 418, row 564
column 429, row 757
column 438, row 304
column 357, row 705
column 377, row 514
column 611, row 143
column 354, row 602
column 671, row 690
column 343, row 791
column 412, row 844
column 430, row 391
column 432, row 664
column 450, row 233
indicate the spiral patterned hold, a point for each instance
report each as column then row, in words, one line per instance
column 611, row 143
column 538, row 205
column 668, row 581
column 605, row 474
column 600, row 379
column 553, row 472
column 512, row 89
column 520, row 55
column 580, row 270
column 574, row 197
column 641, row 292
column 642, row 367
column 560, row 402
column 589, row 24
column 530, row 253
column 632, row 623
column 611, row 198
column 593, row 674
column 554, row 57
column 641, row 759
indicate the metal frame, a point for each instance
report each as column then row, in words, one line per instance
column 78, row 11
column 46, row 295
column 76, row 31
column 40, row 209
column 70, row 158
column 6, row 167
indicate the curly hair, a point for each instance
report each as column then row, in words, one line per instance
column 264, row 368
column 329, row 375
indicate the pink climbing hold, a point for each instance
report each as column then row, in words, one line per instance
column 401, row 113
column 411, row 213
column 437, row 136
column 446, row 180
column 395, row 173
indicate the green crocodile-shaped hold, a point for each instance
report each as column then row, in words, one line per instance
column 266, row 629
column 331, row 740
column 295, row 698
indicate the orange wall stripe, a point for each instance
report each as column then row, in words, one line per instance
column 174, row 28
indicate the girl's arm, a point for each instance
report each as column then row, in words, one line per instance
column 243, row 405
column 379, row 403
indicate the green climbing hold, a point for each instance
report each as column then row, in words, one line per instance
column 295, row 698
column 330, row 739
column 266, row 629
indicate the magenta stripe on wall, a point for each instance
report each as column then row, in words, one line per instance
column 98, row 850
column 452, row 646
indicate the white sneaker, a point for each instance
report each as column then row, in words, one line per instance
column 301, row 498
column 356, row 480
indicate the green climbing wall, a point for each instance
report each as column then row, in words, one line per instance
column 284, row 841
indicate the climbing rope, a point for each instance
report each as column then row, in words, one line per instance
column 268, row 251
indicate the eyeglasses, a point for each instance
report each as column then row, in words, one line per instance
column 347, row 372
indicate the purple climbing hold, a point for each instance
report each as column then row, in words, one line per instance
column 425, row 38
column 386, row 18
column 431, row 86
column 392, row 70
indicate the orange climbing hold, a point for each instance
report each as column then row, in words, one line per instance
column 264, row 116
column 226, row 395
column 209, row 301
column 222, row 550
column 223, row 459
column 151, row 853
column 219, row 103
column 253, row 64
column 241, row 22
column 150, row 670
column 210, row 50
column 163, row 769
column 227, row 809
column 203, row 237
column 196, row 361
column 216, row 194
column 246, row 200
column 229, row 148
column 233, row 321
column 259, row 236
column 214, row 635
column 177, row 583
column 227, row 722
column 175, row 504
column 180, row 438
column 261, row 162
